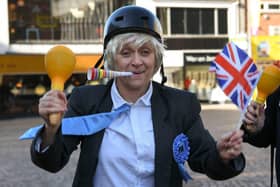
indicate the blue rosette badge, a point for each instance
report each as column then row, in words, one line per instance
column 181, row 151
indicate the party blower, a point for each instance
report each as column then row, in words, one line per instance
column 269, row 81
column 59, row 63
column 97, row 74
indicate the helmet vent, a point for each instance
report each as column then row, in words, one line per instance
column 144, row 17
column 119, row 18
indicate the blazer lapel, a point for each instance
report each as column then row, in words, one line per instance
column 105, row 102
column 90, row 146
column 162, row 134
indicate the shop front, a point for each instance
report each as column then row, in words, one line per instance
column 197, row 77
column 29, row 28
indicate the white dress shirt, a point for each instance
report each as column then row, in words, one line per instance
column 126, row 156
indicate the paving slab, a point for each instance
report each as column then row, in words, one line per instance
column 17, row 170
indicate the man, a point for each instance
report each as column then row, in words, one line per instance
column 261, row 125
column 140, row 147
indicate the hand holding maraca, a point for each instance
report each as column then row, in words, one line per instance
column 59, row 62
column 268, row 83
column 53, row 102
column 254, row 117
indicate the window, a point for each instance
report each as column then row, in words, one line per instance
column 222, row 19
column 178, row 21
column 162, row 14
column 273, row 6
column 198, row 21
column 274, row 30
column 270, row 7
column 65, row 20
column 207, row 21
column 192, row 21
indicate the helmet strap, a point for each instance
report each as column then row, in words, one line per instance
column 163, row 77
column 99, row 63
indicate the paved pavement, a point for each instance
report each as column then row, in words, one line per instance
column 16, row 169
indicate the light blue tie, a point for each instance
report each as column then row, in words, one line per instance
column 81, row 125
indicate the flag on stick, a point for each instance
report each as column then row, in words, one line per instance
column 236, row 74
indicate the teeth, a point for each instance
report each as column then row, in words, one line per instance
column 97, row 74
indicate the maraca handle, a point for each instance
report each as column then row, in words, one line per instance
column 55, row 118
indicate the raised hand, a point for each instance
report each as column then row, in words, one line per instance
column 53, row 101
column 253, row 119
column 230, row 145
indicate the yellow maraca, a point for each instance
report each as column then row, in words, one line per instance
column 59, row 63
column 269, row 81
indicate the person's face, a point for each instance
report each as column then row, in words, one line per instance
column 139, row 60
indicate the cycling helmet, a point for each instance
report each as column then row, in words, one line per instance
column 132, row 19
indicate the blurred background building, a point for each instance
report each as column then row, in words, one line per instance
column 194, row 32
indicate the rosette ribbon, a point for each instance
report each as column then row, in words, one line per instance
column 181, row 151
column 81, row 125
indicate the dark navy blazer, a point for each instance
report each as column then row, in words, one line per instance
column 270, row 134
column 174, row 111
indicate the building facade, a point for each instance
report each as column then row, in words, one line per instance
column 194, row 32
column 265, row 38
column 30, row 28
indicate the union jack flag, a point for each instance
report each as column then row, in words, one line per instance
column 236, row 74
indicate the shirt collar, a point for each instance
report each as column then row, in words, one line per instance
column 118, row 100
